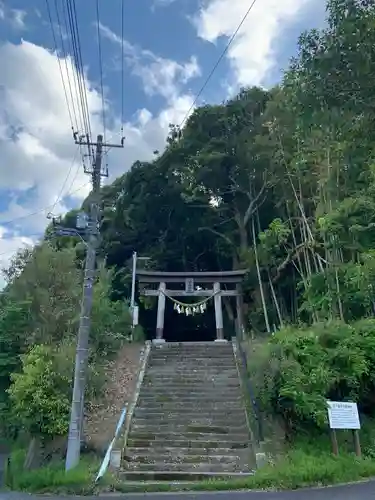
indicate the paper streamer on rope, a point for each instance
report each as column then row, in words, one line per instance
column 190, row 309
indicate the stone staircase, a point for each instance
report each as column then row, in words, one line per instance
column 190, row 420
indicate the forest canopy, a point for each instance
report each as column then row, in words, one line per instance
column 280, row 182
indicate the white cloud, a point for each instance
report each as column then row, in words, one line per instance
column 162, row 3
column 16, row 17
column 159, row 75
column 252, row 53
column 8, row 247
column 36, row 144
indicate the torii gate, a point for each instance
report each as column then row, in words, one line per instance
column 191, row 279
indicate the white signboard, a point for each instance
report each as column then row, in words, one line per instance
column 343, row 415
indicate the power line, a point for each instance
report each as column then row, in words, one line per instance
column 80, row 75
column 59, row 62
column 122, row 66
column 221, row 57
column 100, row 67
column 37, row 212
column 60, row 195
column 65, row 56
column 75, row 77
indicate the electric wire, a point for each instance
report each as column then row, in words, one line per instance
column 75, row 77
column 59, row 62
column 100, row 67
column 60, row 195
column 216, row 65
column 77, row 53
column 83, row 96
column 82, row 73
column 122, row 66
column 65, row 56
column 76, row 63
column 37, row 212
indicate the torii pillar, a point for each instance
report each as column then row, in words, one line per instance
column 218, row 313
column 161, row 311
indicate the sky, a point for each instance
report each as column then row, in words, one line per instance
column 169, row 49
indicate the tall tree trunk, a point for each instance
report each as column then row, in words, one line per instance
column 265, row 312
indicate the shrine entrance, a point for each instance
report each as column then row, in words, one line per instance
column 192, row 296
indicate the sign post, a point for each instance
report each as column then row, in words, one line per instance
column 344, row 416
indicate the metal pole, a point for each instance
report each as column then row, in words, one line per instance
column 132, row 298
column 80, row 372
column 134, row 270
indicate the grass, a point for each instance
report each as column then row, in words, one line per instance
column 308, row 463
column 51, row 478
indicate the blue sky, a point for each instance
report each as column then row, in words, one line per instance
column 170, row 47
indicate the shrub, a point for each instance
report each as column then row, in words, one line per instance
column 305, row 367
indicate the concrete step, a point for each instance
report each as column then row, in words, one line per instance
column 217, row 394
column 175, row 458
column 188, row 399
column 189, row 428
column 187, row 423
column 205, row 379
column 158, row 415
column 182, row 362
column 188, row 375
column 181, row 351
column 199, row 357
column 180, row 451
column 191, row 378
column 189, row 467
column 205, row 442
column 174, row 476
column 153, row 405
column 171, row 435
column 198, row 384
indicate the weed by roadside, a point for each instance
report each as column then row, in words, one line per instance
column 307, row 463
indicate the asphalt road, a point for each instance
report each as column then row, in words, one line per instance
column 361, row 491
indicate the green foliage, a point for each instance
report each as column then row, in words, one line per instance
column 278, row 182
column 40, row 392
column 356, row 289
column 111, row 320
column 51, row 478
column 39, row 320
column 310, row 365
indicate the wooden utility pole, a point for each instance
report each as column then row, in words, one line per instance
column 80, row 372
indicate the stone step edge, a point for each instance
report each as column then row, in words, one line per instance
column 178, row 473
column 182, row 420
column 184, row 458
column 236, row 438
column 192, row 451
column 183, row 467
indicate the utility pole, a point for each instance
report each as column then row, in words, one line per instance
column 81, row 361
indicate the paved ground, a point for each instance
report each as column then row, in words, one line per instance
column 362, row 491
